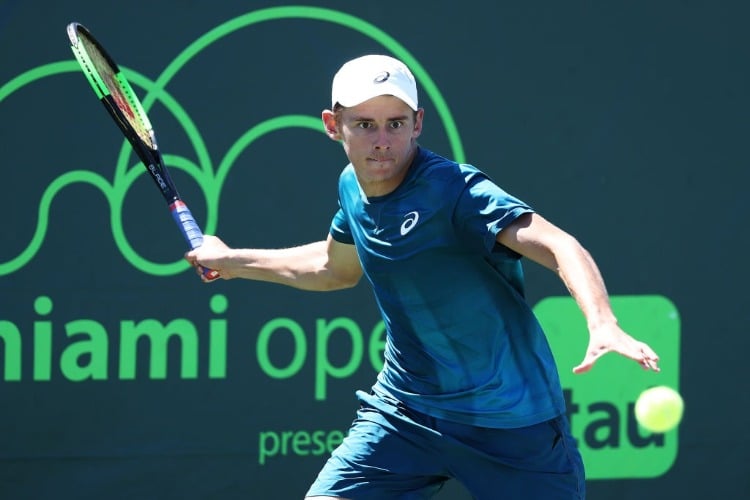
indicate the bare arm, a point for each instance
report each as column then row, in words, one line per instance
column 323, row 265
column 534, row 237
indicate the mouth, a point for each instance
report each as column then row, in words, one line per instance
column 379, row 160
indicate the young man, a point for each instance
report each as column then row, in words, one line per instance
column 469, row 389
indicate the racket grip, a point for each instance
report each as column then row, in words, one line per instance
column 190, row 230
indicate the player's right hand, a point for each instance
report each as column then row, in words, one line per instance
column 210, row 255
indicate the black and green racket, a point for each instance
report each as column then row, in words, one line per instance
column 118, row 97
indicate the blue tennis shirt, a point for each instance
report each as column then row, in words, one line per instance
column 462, row 344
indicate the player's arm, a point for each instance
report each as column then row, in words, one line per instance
column 537, row 239
column 322, row 266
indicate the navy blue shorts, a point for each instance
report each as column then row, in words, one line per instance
column 392, row 452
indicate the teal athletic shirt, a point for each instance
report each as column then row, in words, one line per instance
column 462, row 344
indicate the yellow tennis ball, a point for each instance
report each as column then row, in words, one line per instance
column 659, row 409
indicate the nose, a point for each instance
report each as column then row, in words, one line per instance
column 382, row 141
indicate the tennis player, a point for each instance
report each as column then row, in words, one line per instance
column 469, row 389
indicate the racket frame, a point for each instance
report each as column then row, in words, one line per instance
column 147, row 152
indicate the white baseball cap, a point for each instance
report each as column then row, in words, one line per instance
column 370, row 76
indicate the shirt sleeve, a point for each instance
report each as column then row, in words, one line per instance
column 340, row 228
column 484, row 209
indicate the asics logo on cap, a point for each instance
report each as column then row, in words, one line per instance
column 381, row 77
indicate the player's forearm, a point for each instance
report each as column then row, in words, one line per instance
column 582, row 277
column 303, row 267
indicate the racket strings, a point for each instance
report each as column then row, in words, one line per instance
column 119, row 89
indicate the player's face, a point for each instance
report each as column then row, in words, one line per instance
column 380, row 139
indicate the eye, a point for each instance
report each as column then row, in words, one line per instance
column 364, row 125
column 396, row 124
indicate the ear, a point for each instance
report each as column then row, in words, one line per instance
column 418, row 123
column 330, row 125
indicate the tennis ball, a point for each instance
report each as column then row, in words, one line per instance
column 659, row 409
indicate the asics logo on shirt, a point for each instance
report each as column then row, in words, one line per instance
column 410, row 220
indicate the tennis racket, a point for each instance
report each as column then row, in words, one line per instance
column 118, row 97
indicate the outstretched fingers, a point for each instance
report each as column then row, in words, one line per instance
column 648, row 359
column 625, row 346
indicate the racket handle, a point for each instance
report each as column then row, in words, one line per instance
column 190, row 230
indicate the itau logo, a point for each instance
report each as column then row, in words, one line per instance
column 601, row 403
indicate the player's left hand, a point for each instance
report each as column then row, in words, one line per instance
column 611, row 338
